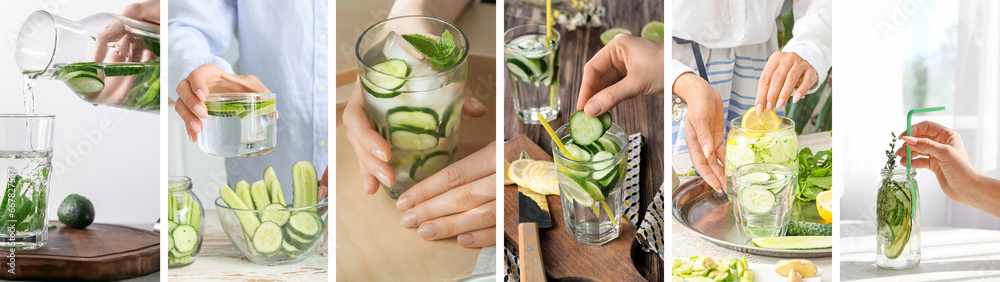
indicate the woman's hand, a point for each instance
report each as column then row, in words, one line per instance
column 704, row 128
column 372, row 150
column 629, row 66
column 940, row 149
column 208, row 78
column 458, row 200
column 784, row 73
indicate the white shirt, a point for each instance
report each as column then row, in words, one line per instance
column 284, row 44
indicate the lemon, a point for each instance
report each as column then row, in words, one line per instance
column 768, row 120
column 611, row 33
column 516, row 169
column 653, row 31
column 824, row 204
column 506, row 176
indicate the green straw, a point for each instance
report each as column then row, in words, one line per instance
column 909, row 132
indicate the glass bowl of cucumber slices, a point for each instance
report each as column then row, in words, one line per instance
column 239, row 124
column 277, row 233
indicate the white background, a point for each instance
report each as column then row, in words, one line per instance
column 880, row 38
column 118, row 170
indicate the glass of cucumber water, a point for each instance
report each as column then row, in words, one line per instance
column 239, row 124
column 897, row 211
column 26, row 164
column 413, row 71
column 762, row 199
column 532, row 62
column 591, row 183
column 105, row 59
column 745, row 146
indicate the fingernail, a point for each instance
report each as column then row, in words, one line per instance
column 366, row 184
column 909, row 140
column 195, row 126
column 200, row 111
column 409, row 220
column 191, row 137
column 781, row 101
column 768, row 106
column 404, row 203
column 760, row 109
column 380, row 155
column 382, row 178
column 465, row 239
column 592, row 109
column 798, row 96
column 426, row 231
column 704, row 149
column 200, row 94
column 476, row 104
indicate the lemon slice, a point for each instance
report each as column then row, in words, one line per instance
column 551, row 182
column 516, row 169
column 768, row 120
column 824, row 204
column 506, row 176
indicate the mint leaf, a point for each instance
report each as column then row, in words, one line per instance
column 446, row 44
column 423, row 44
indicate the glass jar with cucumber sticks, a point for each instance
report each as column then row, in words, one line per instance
column 592, row 180
column 412, row 71
column 185, row 222
column 762, row 199
column 897, row 210
column 239, row 124
column 745, row 146
column 105, row 58
column 532, row 63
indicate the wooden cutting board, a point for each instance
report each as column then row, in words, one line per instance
column 100, row 252
column 564, row 258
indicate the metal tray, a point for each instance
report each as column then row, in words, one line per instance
column 709, row 215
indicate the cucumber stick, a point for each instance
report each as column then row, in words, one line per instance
column 248, row 220
column 259, row 193
column 243, row 190
column 277, row 195
column 304, row 185
column 269, row 176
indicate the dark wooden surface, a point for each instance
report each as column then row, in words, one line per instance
column 564, row 259
column 643, row 114
column 100, row 252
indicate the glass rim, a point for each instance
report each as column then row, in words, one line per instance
column 453, row 68
column 178, row 180
column 899, row 171
column 225, row 206
column 782, row 168
column 562, row 157
column 55, row 34
column 242, row 94
column 14, row 116
column 735, row 124
column 557, row 35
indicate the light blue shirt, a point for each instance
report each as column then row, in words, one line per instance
column 284, row 44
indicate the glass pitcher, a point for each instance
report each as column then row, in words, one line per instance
column 105, row 58
column 898, row 220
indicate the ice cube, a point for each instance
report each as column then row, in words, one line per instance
column 395, row 47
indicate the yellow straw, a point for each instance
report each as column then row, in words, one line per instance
column 555, row 138
column 548, row 21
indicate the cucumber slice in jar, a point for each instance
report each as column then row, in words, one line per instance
column 759, row 176
column 523, row 67
column 605, row 166
column 577, row 152
column 412, row 139
column 306, row 225
column 83, row 82
column 429, row 165
column 267, row 239
column 185, row 239
column 414, row 117
column 384, row 81
column 585, row 129
column 124, row 70
column 756, row 200
column 275, row 213
column 451, row 118
column 609, row 145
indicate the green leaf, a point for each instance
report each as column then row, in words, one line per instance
column 424, row 44
column 811, row 192
column 824, row 182
column 446, row 45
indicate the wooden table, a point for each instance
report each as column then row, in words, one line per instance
column 643, row 114
column 219, row 260
column 686, row 244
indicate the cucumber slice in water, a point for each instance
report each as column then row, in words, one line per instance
column 756, row 200
column 585, row 129
column 577, row 152
column 267, row 239
column 412, row 139
column 185, row 238
column 414, row 117
column 451, row 119
column 384, row 81
column 429, row 165
column 759, row 176
column 124, row 70
column 84, row 83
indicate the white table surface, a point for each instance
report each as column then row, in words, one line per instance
column 685, row 244
column 946, row 254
